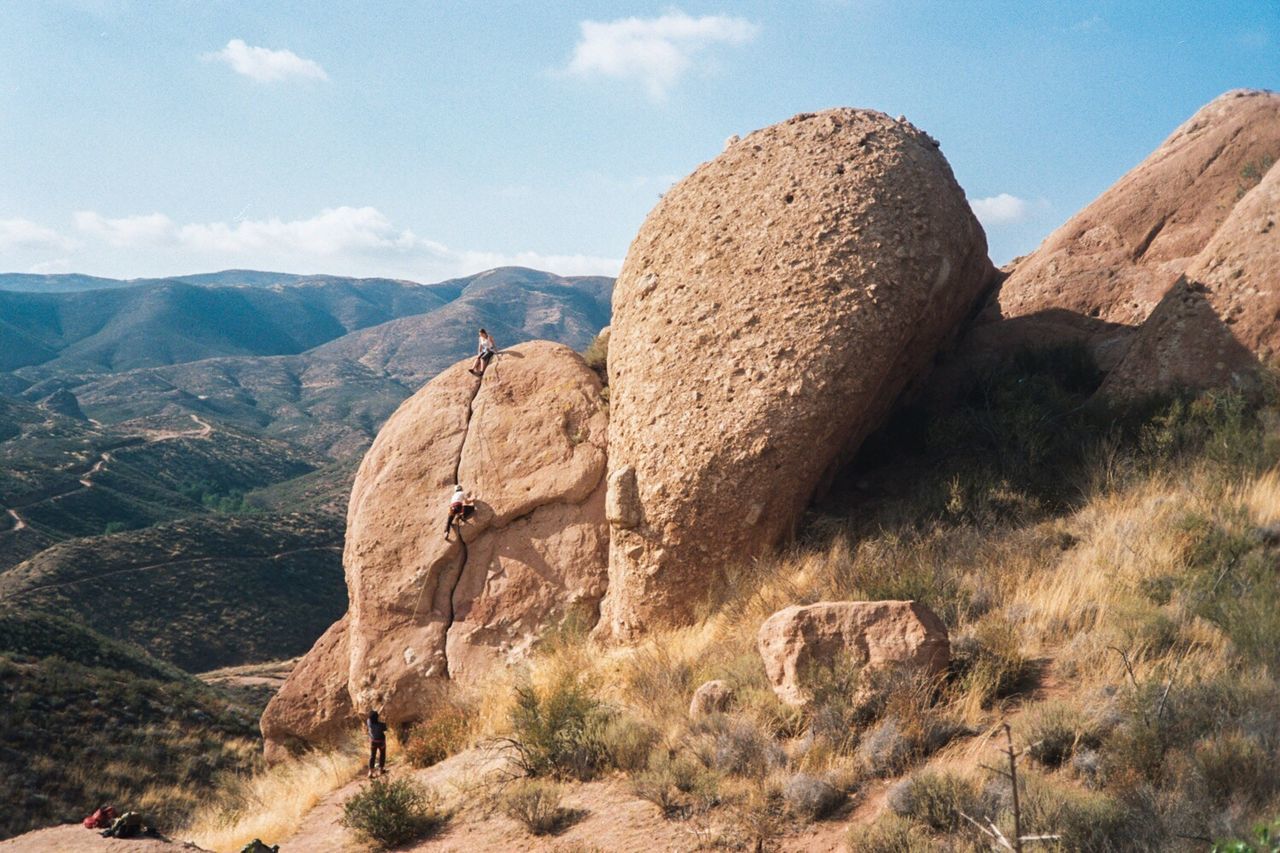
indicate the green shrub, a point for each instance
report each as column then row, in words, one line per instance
column 536, row 804
column 558, row 731
column 443, row 734
column 596, row 355
column 1266, row 839
column 392, row 813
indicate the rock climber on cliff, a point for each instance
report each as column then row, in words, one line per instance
column 377, row 744
column 484, row 354
column 460, row 509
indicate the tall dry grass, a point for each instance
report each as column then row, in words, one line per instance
column 271, row 804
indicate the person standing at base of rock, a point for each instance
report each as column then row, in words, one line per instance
column 377, row 744
column 460, row 509
column 484, row 354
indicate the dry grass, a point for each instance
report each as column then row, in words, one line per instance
column 1112, row 599
column 272, row 804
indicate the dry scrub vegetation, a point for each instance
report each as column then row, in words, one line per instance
column 1109, row 578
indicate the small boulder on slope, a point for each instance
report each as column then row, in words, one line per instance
column 799, row 641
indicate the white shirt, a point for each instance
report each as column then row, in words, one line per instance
column 456, row 498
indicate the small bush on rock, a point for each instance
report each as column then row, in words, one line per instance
column 391, row 813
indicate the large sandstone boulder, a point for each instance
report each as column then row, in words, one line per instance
column 1105, row 270
column 773, row 306
column 800, row 640
column 528, row 441
column 1221, row 321
column 313, row 706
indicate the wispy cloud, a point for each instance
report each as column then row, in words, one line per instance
column 266, row 65
column 1001, row 209
column 656, row 52
column 152, row 229
column 343, row 240
column 25, row 234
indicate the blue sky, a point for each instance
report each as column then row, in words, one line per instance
column 429, row 139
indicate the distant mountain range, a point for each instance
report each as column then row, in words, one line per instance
column 193, row 439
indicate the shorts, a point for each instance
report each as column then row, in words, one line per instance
column 486, row 355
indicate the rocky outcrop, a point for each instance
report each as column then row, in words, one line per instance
column 528, row 441
column 1218, row 324
column 801, row 640
column 773, row 306
column 313, row 706
column 1103, row 272
column 712, row 697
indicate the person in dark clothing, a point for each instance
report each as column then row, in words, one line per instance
column 377, row 744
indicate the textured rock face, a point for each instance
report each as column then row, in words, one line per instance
column 1106, row 269
column 875, row 633
column 713, row 697
column 1219, row 322
column 528, row 442
column 771, row 309
column 313, row 706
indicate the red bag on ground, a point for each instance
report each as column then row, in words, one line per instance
column 100, row 819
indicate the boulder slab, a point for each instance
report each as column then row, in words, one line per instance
column 877, row 634
column 528, row 442
column 772, row 308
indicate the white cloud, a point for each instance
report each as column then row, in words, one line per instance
column 266, row 65
column 51, row 267
column 341, row 240
column 24, row 234
column 151, row 229
column 1001, row 209
column 657, row 52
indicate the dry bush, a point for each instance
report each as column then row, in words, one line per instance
column 889, row 834
column 558, row 730
column 936, row 799
column 535, row 804
column 679, row 785
column 444, row 733
column 1054, row 730
column 810, row 797
column 627, row 742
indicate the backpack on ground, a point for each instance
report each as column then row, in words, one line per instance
column 256, row 846
column 128, row 825
column 101, row 818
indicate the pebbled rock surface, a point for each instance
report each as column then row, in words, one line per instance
column 793, row 641
column 774, row 305
column 528, row 442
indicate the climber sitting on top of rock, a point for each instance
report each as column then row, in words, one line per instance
column 460, row 508
column 484, row 354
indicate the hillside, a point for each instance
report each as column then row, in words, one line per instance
column 85, row 720
column 172, row 322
